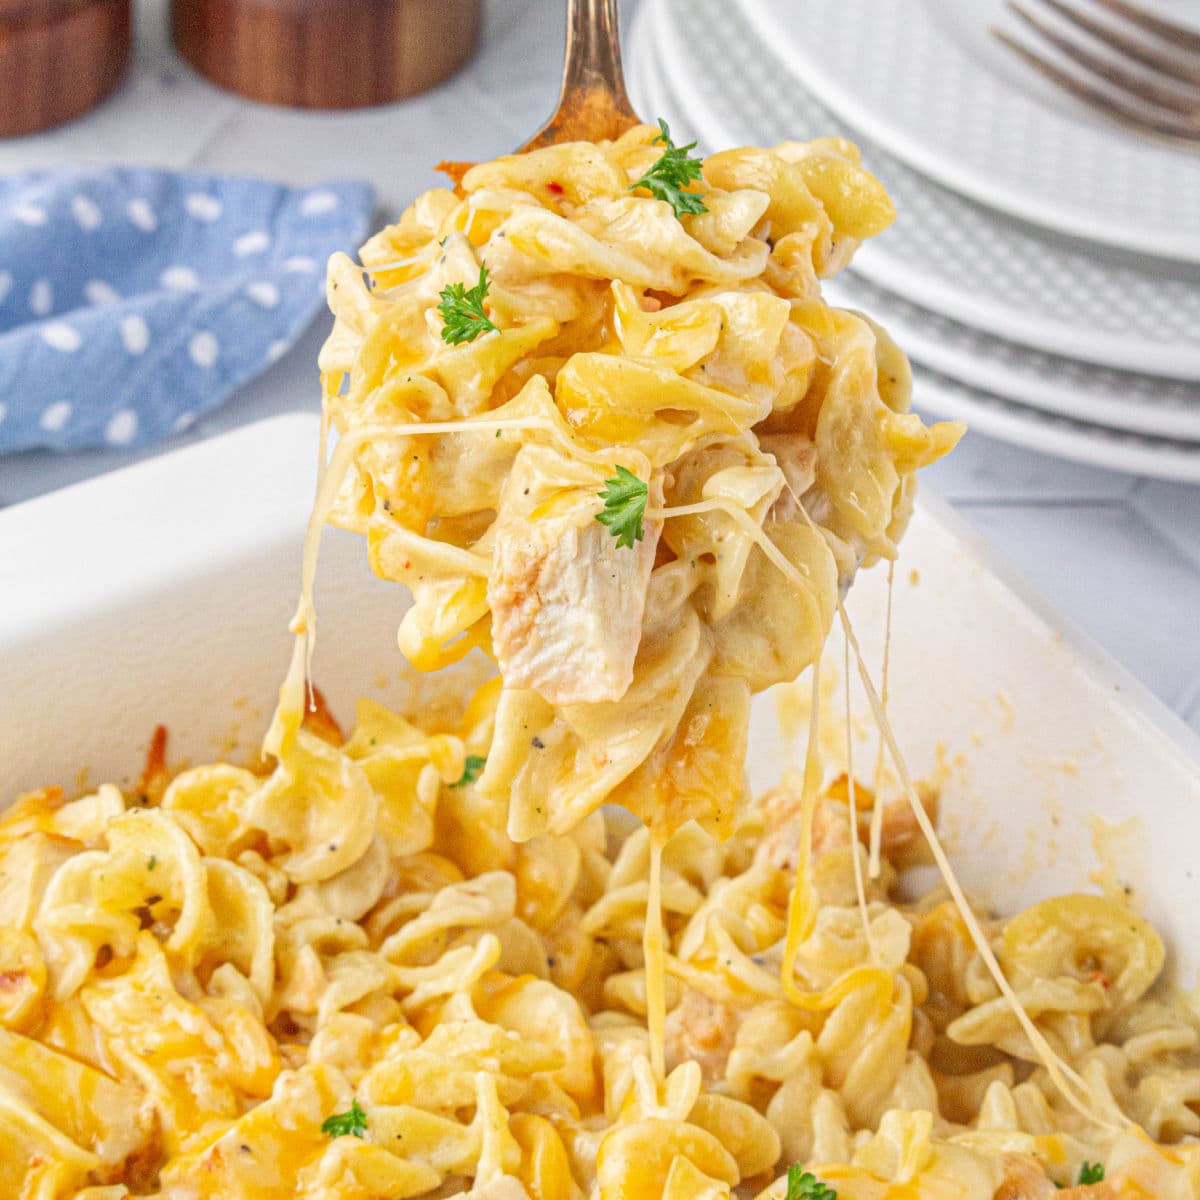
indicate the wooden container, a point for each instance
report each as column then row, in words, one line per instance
column 58, row 58
column 325, row 53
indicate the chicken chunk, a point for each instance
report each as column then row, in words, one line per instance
column 1024, row 1179
column 567, row 601
column 703, row 1031
column 902, row 842
column 27, row 865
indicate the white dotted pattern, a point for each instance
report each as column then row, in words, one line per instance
column 29, row 213
column 204, row 349
column 251, row 243
column 203, row 207
column 135, row 334
column 86, row 212
column 61, row 336
column 264, row 293
column 100, row 294
column 59, row 311
column 142, row 215
column 945, row 252
column 316, row 203
column 41, row 298
column 55, row 416
column 122, row 428
column 180, row 279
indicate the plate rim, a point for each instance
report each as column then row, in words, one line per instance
column 967, row 179
column 1056, row 435
column 988, row 419
column 293, row 438
column 1054, row 398
column 878, row 265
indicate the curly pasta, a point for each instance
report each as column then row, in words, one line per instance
column 189, row 992
column 772, row 434
column 541, row 948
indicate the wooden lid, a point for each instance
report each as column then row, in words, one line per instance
column 58, row 58
column 325, row 53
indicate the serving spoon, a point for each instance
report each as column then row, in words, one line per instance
column 592, row 104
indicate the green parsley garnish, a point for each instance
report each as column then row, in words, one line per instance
column 1091, row 1173
column 463, row 318
column 624, row 499
column 803, row 1185
column 151, row 862
column 669, row 178
column 351, row 1123
column 471, row 769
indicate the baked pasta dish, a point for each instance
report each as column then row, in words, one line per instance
column 536, row 941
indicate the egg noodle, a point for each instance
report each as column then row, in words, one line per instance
column 535, row 942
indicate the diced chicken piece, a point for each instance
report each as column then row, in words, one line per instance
column 781, row 833
column 111, row 1120
column 567, row 601
column 797, row 459
column 901, row 840
column 703, row 1031
column 26, row 868
column 1024, row 1179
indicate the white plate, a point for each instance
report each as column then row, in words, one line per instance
column 1051, row 433
column 923, row 79
column 1118, row 399
column 699, row 64
column 150, row 596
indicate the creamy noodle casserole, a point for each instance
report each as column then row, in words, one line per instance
column 537, row 942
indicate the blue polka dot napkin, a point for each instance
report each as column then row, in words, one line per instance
column 133, row 301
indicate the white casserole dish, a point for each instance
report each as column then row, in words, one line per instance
column 161, row 593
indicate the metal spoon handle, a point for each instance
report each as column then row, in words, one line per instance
column 592, row 105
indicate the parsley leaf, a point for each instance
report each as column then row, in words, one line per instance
column 624, row 499
column 471, row 769
column 463, row 318
column 669, row 178
column 152, row 862
column 1091, row 1173
column 351, row 1123
column 803, row 1185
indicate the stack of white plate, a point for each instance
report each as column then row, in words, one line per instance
column 1044, row 275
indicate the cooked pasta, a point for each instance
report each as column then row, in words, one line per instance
column 541, row 947
column 342, row 979
column 770, row 431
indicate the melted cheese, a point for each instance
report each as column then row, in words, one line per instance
column 1074, row 1088
column 873, row 859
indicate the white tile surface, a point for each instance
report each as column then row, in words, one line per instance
column 1119, row 557
column 1114, row 575
column 1174, row 510
column 983, row 469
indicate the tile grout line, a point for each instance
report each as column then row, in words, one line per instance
column 1188, row 705
column 1168, row 535
column 1048, row 502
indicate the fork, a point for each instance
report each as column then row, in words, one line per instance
column 592, row 105
column 1147, row 77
